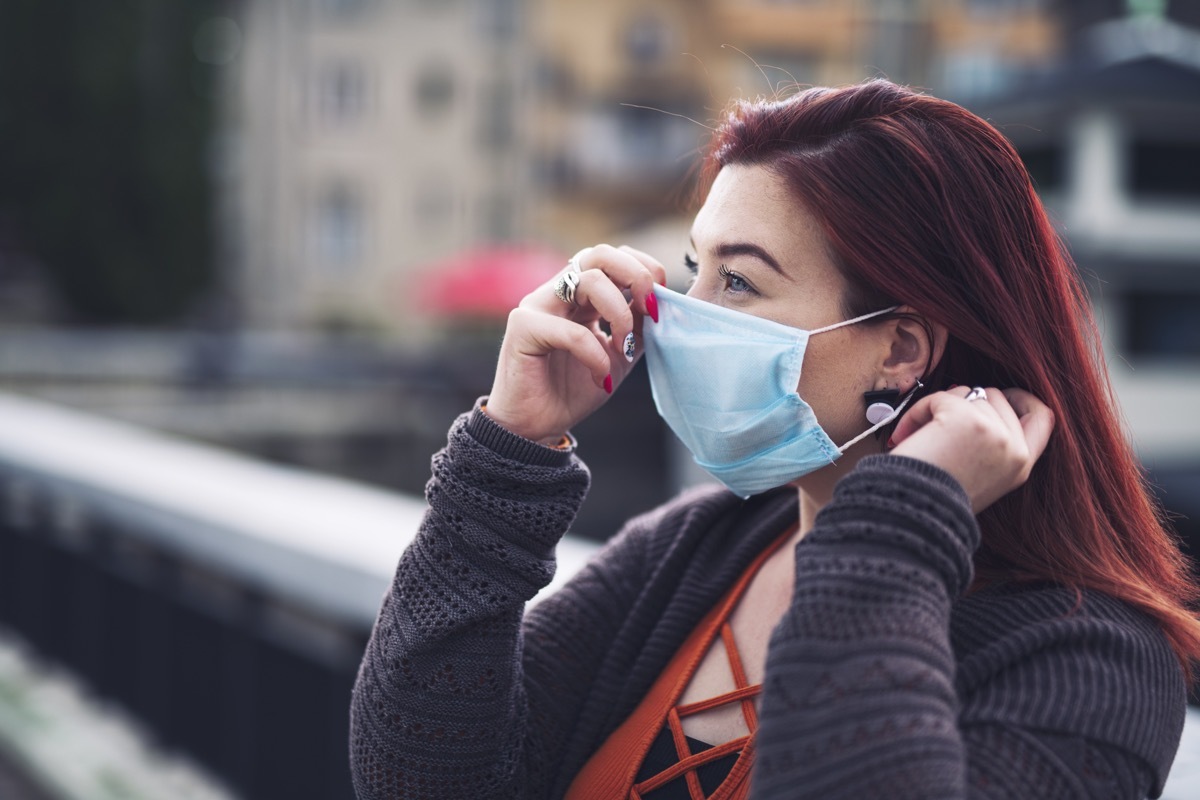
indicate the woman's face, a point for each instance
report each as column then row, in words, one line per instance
column 759, row 251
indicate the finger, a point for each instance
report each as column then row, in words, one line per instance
column 657, row 270
column 596, row 290
column 1036, row 419
column 999, row 403
column 917, row 417
column 647, row 302
column 541, row 334
column 626, row 270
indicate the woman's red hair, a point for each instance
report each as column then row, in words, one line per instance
column 924, row 203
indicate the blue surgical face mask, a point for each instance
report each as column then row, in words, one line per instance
column 725, row 382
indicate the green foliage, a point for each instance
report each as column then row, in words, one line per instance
column 106, row 119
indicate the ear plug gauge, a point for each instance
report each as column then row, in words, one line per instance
column 881, row 404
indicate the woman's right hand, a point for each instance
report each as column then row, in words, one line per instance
column 556, row 364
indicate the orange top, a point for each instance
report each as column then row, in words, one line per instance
column 610, row 774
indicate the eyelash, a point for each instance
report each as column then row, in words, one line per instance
column 693, row 266
column 730, row 277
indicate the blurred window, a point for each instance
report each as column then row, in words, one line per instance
column 975, row 72
column 434, row 89
column 499, row 19
column 646, row 39
column 553, row 170
column 341, row 92
column 552, row 79
column 1045, row 165
column 339, row 228
column 341, row 8
column 1165, row 169
column 1164, row 323
column 644, row 134
column 497, row 218
column 1002, row 7
column 496, row 116
column 433, row 203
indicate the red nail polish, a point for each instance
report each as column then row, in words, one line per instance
column 891, row 442
column 608, row 383
column 652, row 306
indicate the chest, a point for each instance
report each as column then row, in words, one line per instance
column 741, row 647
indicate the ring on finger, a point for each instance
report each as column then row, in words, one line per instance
column 564, row 287
column 977, row 393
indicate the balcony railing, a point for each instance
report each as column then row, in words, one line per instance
column 224, row 602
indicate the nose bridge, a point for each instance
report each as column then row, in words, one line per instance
column 704, row 288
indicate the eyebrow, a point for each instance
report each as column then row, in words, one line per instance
column 731, row 249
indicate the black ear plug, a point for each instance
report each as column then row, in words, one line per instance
column 881, row 404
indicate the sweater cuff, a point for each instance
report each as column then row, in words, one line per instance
column 507, row 444
column 914, row 510
column 886, row 464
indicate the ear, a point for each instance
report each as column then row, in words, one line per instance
column 913, row 346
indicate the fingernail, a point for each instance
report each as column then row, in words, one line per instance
column 953, row 386
column 891, row 442
column 652, row 306
column 630, row 347
column 608, row 383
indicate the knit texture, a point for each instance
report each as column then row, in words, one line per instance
column 882, row 679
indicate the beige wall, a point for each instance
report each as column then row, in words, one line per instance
column 367, row 150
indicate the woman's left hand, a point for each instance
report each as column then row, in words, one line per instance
column 990, row 445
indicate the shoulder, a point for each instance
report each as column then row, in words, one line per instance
column 995, row 626
column 708, row 512
column 1084, row 664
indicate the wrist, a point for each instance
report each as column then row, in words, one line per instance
column 488, row 431
column 559, row 441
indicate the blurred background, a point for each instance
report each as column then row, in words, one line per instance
column 255, row 257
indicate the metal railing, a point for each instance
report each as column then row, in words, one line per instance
column 224, row 602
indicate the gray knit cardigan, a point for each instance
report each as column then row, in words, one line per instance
column 883, row 680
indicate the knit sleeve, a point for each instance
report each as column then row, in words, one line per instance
column 865, row 696
column 440, row 709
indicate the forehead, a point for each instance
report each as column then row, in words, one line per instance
column 750, row 203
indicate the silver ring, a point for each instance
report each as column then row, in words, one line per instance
column 976, row 394
column 564, row 287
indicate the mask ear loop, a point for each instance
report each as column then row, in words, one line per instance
column 886, row 420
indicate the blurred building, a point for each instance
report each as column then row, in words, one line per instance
column 625, row 90
column 369, row 137
column 1112, row 140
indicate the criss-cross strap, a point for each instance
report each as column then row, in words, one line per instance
column 613, row 772
column 689, row 762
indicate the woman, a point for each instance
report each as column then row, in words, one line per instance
column 983, row 603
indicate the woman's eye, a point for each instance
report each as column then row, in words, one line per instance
column 733, row 282
column 692, row 264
